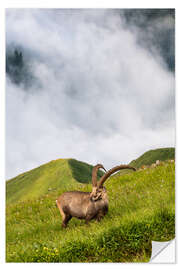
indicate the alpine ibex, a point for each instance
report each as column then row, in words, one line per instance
column 87, row 205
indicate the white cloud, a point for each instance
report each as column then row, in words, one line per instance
column 102, row 99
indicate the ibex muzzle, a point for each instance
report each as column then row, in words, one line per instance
column 87, row 205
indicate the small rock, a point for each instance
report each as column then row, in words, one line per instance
column 153, row 165
column 157, row 162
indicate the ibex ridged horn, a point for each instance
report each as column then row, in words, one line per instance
column 94, row 173
column 111, row 171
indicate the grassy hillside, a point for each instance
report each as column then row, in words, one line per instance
column 151, row 156
column 60, row 174
column 141, row 209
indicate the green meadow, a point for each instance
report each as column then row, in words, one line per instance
column 141, row 209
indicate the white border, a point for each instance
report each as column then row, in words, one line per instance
column 2, row 136
column 89, row 4
column 72, row 4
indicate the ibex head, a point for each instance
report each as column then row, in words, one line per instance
column 96, row 193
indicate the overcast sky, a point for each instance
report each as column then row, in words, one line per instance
column 96, row 85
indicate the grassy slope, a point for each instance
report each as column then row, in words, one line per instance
column 36, row 182
column 60, row 174
column 141, row 208
column 151, row 156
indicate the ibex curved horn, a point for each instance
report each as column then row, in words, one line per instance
column 111, row 171
column 94, row 173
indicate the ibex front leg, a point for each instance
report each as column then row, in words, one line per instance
column 89, row 217
column 102, row 213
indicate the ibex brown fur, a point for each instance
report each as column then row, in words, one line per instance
column 87, row 205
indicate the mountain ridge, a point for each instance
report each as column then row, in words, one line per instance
column 59, row 174
column 152, row 155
